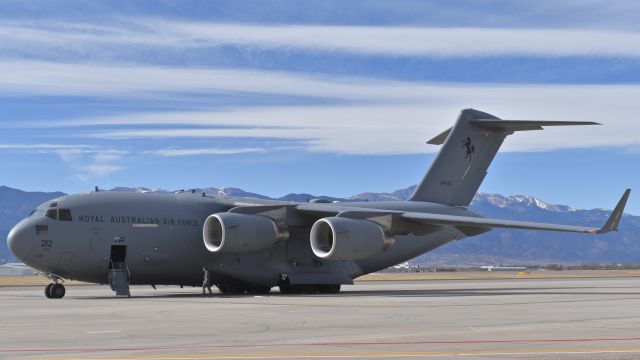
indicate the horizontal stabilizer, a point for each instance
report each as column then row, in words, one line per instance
column 523, row 125
column 508, row 126
column 439, row 140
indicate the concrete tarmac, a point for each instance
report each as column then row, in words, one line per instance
column 485, row 319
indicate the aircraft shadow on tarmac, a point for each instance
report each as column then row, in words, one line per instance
column 431, row 293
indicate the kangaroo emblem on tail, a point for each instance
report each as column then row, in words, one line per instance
column 466, row 144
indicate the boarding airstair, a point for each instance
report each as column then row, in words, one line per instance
column 119, row 278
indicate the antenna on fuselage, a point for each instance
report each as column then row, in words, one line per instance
column 96, row 189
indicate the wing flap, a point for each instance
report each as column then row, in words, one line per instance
column 468, row 221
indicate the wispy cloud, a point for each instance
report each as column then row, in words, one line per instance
column 89, row 165
column 172, row 152
column 165, row 34
column 392, row 118
column 394, row 129
column 44, row 147
column 375, row 116
column 85, row 161
column 409, row 41
column 49, row 78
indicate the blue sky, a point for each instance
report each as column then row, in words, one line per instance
column 324, row 97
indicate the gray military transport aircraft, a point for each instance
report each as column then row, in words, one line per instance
column 251, row 245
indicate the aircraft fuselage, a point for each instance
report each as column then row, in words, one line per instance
column 161, row 235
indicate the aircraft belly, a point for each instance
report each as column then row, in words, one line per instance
column 292, row 258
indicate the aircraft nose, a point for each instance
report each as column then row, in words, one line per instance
column 18, row 241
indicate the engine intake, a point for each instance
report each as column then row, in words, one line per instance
column 337, row 238
column 232, row 233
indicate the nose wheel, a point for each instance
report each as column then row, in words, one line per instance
column 47, row 290
column 54, row 290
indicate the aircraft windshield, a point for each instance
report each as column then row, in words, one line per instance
column 64, row 215
column 55, row 214
column 37, row 213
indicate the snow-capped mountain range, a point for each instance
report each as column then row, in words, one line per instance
column 515, row 202
column 497, row 246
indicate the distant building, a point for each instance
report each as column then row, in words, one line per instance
column 503, row 268
column 16, row 269
column 402, row 266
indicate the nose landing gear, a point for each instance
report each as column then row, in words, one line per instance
column 54, row 290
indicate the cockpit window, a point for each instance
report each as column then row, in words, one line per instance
column 55, row 214
column 52, row 214
column 53, row 204
column 37, row 213
column 64, row 215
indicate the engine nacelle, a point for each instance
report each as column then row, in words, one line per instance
column 338, row 238
column 233, row 233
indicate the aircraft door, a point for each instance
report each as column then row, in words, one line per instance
column 118, row 256
column 119, row 277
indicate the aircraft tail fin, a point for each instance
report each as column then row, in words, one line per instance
column 469, row 147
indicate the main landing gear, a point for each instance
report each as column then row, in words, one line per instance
column 286, row 288
column 234, row 289
column 54, row 290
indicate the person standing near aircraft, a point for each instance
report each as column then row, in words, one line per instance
column 206, row 281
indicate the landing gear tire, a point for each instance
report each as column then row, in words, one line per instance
column 309, row 289
column 232, row 289
column 296, row 289
column 47, row 291
column 57, row 291
column 224, row 289
column 329, row 289
column 259, row 290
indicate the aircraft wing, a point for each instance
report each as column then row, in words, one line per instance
column 341, row 208
column 468, row 221
column 436, row 219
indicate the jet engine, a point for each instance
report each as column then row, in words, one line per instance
column 338, row 238
column 232, row 233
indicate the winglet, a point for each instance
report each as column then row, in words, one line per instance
column 616, row 215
